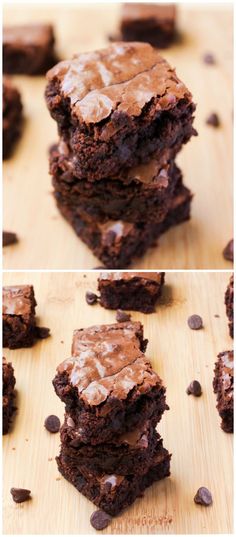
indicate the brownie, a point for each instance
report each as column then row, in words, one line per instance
column 123, row 455
column 12, row 117
column 223, row 385
column 114, row 492
column 118, row 243
column 108, row 385
column 229, row 303
column 118, row 106
column 146, row 190
column 138, row 291
column 28, row 49
column 8, row 384
column 151, row 23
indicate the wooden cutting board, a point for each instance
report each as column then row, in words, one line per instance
column 46, row 240
column 202, row 454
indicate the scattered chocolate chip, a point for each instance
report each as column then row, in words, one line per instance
column 100, row 520
column 52, row 424
column 122, row 317
column 20, row 495
column 203, row 496
column 8, row 238
column 91, row 298
column 42, row 332
column 195, row 322
column 209, row 58
column 213, row 120
column 228, row 252
column 109, row 238
column 194, row 388
column 217, row 316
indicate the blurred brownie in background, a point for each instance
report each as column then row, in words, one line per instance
column 12, row 117
column 152, row 23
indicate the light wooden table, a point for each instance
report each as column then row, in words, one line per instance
column 46, row 240
column 202, row 452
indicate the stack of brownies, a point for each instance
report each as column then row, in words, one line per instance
column 122, row 116
column 110, row 449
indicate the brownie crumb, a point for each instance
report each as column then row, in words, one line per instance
column 209, row 58
column 194, row 388
column 8, row 238
column 91, row 298
column 203, row 496
column 213, row 120
column 20, row 495
column 195, row 322
column 42, row 332
column 52, row 424
column 122, row 317
column 100, row 520
column 228, row 252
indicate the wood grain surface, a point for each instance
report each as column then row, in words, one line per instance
column 46, row 240
column 201, row 452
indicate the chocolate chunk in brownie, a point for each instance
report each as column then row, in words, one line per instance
column 118, row 106
column 12, row 117
column 223, row 385
column 138, row 291
column 28, row 49
column 8, row 384
column 229, row 303
column 108, row 384
column 151, row 23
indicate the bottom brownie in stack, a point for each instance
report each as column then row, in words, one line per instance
column 110, row 449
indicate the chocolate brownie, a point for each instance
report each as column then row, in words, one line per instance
column 108, row 385
column 151, row 23
column 223, row 385
column 229, row 303
column 136, row 291
column 146, row 190
column 12, row 117
column 118, row 106
column 28, row 49
column 118, row 243
column 114, row 492
column 127, row 454
column 8, row 384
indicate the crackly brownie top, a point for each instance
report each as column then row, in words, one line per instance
column 127, row 276
column 107, row 362
column 135, row 11
column 123, row 77
column 27, row 34
column 18, row 300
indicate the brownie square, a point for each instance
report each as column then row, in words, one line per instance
column 12, row 117
column 8, row 384
column 229, row 303
column 118, row 106
column 138, row 291
column 146, row 190
column 28, row 49
column 108, row 385
column 223, row 385
column 113, row 493
column 18, row 304
column 117, row 244
column 151, row 23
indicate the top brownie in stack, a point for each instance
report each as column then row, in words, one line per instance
column 108, row 385
column 117, row 107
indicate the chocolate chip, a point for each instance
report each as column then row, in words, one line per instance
column 91, row 298
column 109, row 238
column 20, row 495
column 8, row 237
column 194, row 388
column 122, row 317
column 195, row 322
column 228, row 252
column 52, row 424
column 42, row 332
column 203, row 496
column 213, row 120
column 209, row 58
column 100, row 520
